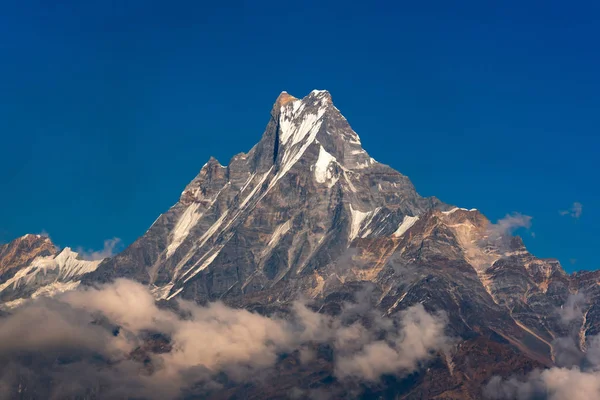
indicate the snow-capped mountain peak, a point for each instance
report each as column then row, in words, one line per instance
column 306, row 184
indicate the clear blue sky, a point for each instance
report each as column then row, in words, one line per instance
column 108, row 108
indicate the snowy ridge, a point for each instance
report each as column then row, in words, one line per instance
column 65, row 267
column 456, row 209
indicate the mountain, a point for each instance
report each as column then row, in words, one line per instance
column 308, row 213
column 273, row 218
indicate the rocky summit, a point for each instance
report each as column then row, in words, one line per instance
column 307, row 214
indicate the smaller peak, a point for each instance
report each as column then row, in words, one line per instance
column 320, row 94
column 68, row 251
column 213, row 161
column 211, row 164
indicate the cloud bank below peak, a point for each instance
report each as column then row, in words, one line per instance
column 116, row 341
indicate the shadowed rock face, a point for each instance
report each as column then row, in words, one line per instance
column 307, row 212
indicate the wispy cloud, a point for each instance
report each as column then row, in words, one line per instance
column 573, row 308
column 506, row 227
column 44, row 233
column 552, row 384
column 512, row 222
column 574, row 212
column 420, row 333
column 110, row 248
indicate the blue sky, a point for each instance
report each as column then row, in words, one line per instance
column 107, row 109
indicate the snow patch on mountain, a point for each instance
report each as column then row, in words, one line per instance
column 277, row 235
column 55, row 288
column 456, row 209
column 322, row 171
column 186, row 222
column 304, row 135
column 206, row 260
column 292, row 131
column 357, row 219
column 366, row 229
column 406, row 224
column 365, row 164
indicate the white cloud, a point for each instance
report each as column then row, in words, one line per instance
column 500, row 234
column 113, row 322
column 510, row 223
column 414, row 337
column 111, row 247
column 572, row 309
column 575, row 210
column 551, row 384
